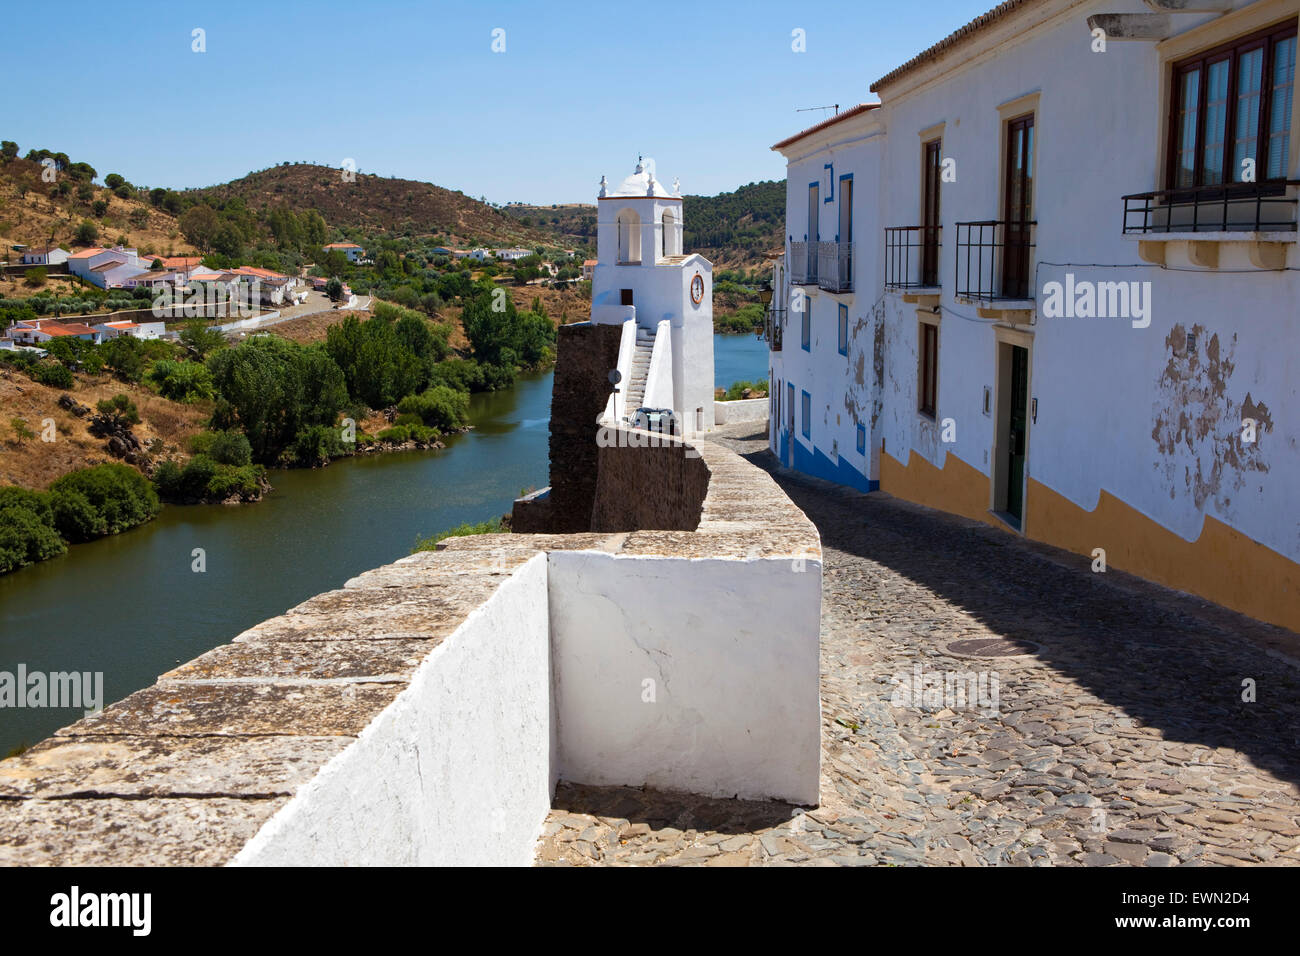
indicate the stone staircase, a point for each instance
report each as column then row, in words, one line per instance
column 645, row 343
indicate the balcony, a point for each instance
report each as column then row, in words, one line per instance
column 774, row 328
column 803, row 267
column 912, row 260
column 1262, row 216
column 994, row 266
column 835, row 266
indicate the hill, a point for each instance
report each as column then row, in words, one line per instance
column 33, row 210
column 732, row 229
column 371, row 205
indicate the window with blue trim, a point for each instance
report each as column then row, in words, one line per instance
column 844, row 329
column 806, row 328
column 807, row 415
column 862, row 440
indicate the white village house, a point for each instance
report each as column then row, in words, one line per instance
column 107, row 268
column 350, row 249
column 662, row 298
column 1049, row 282
column 44, row 255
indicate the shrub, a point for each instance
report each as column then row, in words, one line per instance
column 440, row 407
column 120, row 405
column 119, row 498
column 230, row 448
column 125, row 355
column 27, row 532
column 35, row 278
column 181, row 381
column 317, row 445
column 87, row 232
column 54, row 375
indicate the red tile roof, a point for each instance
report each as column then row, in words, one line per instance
column 86, row 253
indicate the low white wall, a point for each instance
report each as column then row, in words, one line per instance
column 744, row 410
column 456, row 771
column 731, row 648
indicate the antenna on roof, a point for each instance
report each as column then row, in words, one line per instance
column 808, row 109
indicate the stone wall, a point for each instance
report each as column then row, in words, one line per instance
column 423, row 712
column 646, row 482
column 585, row 355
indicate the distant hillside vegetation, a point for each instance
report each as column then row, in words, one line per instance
column 61, row 202
column 373, row 204
column 734, row 228
column 751, row 219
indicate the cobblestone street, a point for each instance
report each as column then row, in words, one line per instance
column 1120, row 734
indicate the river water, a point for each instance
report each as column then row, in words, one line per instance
column 132, row 606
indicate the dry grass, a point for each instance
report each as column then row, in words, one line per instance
column 35, row 217
column 35, row 463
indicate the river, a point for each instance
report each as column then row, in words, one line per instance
column 132, row 606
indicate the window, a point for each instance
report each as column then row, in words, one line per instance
column 1231, row 104
column 862, row 440
column 625, row 296
column 806, row 329
column 1018, row 190
column 844, row 329
column 789, row 406
column 807, row 415
column 931, row 173
column 928, row 374
column 846, row 207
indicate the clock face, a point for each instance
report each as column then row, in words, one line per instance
column 697, row 289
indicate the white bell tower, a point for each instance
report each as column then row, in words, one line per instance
column 662, row 297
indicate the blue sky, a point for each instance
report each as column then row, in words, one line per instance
column 413, row 89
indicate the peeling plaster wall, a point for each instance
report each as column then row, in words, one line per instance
column 1121, row 410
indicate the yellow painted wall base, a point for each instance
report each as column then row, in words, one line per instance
column 1221, row 565
column 956, row 487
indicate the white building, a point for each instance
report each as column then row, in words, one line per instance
column 661, row 297
column 512, row 255
column 1016, row 290
column 44, row 256
column 349, row 249
column 107, row 268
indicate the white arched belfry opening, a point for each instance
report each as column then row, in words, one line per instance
column 629, row 236
column 671, row 235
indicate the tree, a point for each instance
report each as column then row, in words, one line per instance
column 334, row 288
column 199, row 225
column 199, row 339
column 35, row 278
column 272, row 389
column 99, row 208
column 87, row 232
column 228, row 241
column 113, row 180
column 8, row 151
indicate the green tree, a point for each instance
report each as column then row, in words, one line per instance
column 8, row 151
column 199, row 225
column 272, row 389
column 200, row 340
column 113, row 180
column 87, row 232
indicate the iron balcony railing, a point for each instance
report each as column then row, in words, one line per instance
column 835, row 266
column 774, row 328
column 1236, row 207
column 994, row 259
column 912, row 257
column 803, row 263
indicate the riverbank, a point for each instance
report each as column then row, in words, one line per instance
column 133, row 605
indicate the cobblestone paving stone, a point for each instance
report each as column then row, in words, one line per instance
column 1121, row 739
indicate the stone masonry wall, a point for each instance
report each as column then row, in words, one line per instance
column 645, row 488
column 585, row 355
